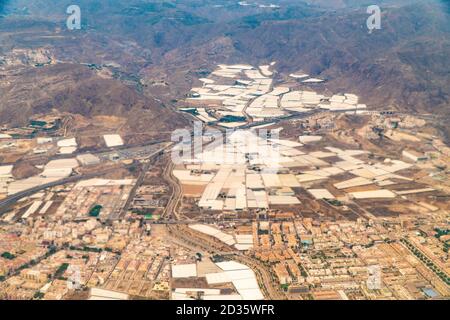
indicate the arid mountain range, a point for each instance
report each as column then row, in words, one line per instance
column 135, row 58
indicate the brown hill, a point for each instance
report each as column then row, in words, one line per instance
column 77, row 89
column 403, row 66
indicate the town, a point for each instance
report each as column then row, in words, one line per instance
column 287, row 192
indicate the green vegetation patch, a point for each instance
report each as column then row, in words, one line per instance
column 38, row 295
column 61, row 269
column 38, row 123
column 334, row 202
column 231, row 118
column 8, row 255
column 441, row 232
column 95, row 211
column 152, row 217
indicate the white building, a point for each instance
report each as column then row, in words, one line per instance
column 414, row 155
column 88, row 159
column 113, row 140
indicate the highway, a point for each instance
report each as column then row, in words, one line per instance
column 170, row 211
column 8, row 201
column 96, row 152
